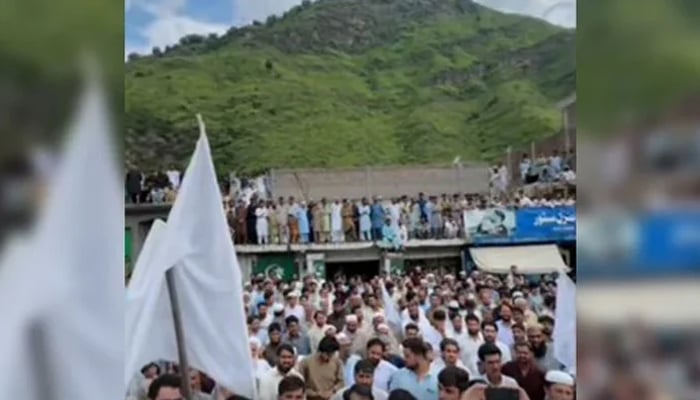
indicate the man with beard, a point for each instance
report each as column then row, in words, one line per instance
column 449, row 357
column 363, row 375
column 337, row 317
column 519, row 336
column 505, row 323
column 415, row 378
column 490, row 332
column 559, row 386
column 524, row 370
column 383, row 370
column 269, row 382
column 471, row 346
column 544, row 354
column 318, row 329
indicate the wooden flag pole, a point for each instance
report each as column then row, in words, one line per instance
column 179, row 335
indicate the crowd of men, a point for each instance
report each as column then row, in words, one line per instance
column 417, row 336
column 394, row 221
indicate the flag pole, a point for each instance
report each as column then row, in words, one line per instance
column 179, row 334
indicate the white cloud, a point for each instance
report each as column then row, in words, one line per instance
column 169, row 24
column 168, row 30
column 558, row 12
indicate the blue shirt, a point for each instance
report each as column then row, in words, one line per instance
column 426, row 389
column 377, row 215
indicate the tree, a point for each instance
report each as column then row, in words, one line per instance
column 156, row 51
column 305, row 4
column 133, row 57
column 257, row 23
column 269, row 65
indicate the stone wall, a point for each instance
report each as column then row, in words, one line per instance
column 356, row 183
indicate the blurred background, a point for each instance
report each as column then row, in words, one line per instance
column 638, row 169
column 639, row 221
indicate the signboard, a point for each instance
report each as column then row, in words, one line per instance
column 526, row 225
column 546, row 223
column 280, row 265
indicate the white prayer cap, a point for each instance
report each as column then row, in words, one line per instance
column 330, row 330
column 254, row 342
column 383, row 328
column 293, row 293
column 517, row 294
column 559, row 377
column 351, row 318
column 378, row 315
column 343, row 339
column 471, row 296
column 453, row 304
column 277, row 308
column 298, row 285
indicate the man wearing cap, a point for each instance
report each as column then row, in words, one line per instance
column 293, row 307
column 363, row 375
column 559, row 386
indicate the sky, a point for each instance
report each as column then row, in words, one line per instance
column 150, row 23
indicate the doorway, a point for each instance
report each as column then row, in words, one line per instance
column 364, row 269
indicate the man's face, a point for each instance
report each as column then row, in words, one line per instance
column 293, row 328
column 519, row 335
column 275, row 336
column 473, row 327
column 338, row 308
column 411, row 333
column 489, row 334
column 492, row 366
column 255, row 325
column 535, row 337
column 449, row 393
column 364, row 379
column 518, row 317
column 506, row 313
column 295, row 395
column 371, row 301
column 523, row 354
column 434, row 301
column 374, row 354
column 410, row 359
column 320, row 319
column 457, row 323
column 560, row 392
column 169, row 393
column 413, row 310
column 352, row 326
column 286, row 361
column 325, row 357
column 450, row 355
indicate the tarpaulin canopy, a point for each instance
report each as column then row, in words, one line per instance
column 536, row 259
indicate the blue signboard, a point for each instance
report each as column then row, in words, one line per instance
column 525, row 225
column 545, row 223
column 669, row 240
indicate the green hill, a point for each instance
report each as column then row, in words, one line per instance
column 353, row 82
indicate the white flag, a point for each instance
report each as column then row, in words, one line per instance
column 393, row 318
column 197, row 244
column 61, row 289
column 564, row 334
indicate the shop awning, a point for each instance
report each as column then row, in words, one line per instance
column 536, row 259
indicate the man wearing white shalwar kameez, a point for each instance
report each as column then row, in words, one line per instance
column 337, row 222
column 262, row 224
